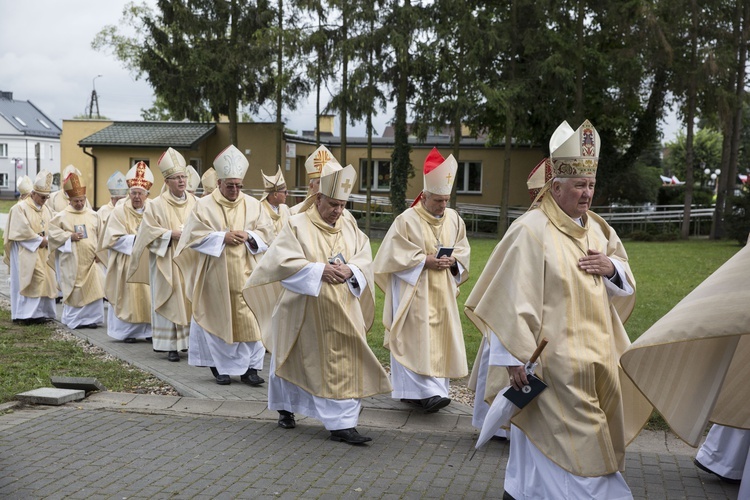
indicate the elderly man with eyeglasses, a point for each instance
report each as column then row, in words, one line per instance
column 221, row 243
column 157, row 237
column 32, row 282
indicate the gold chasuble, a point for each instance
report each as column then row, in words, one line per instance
column 27, row 221
column 279, row 219
column 214, row 284
column 425, row 334
column 165, row 213
column 694, row 363
column 319, row 343
column 81, row 278
column 131, row 300
column 532, row 288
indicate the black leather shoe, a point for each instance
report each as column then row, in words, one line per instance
column 433, row 404
column 350, row 436
column 706, row 469
column 417, row 402
column 220, row 379
column 150, row 340
column 130, row 340
column 286, row 420
column 251, row 377
column 506, row 496
column 173, row 356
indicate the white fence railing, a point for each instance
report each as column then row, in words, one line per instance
column 483, row 218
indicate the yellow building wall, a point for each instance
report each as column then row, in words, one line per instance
column 260, row 140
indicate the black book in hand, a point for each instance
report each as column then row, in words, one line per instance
column 444, row 252
column 338, row 259
column 527, row 393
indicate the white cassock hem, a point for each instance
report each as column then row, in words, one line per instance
column 530, row 474
column 335, row 414
column 410, row 385
column 22, row 307
column 236, row 358
column 725, row 451
column 90, row 314
column 121, row 330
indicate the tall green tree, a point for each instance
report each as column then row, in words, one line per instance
column 200, row 56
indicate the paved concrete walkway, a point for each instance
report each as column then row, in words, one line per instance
column 222, row 442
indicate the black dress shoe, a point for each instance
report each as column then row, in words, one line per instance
column 417, row 402
column 130, row 340
column 506, row 496
column 706, row 469
column 150, row 340
column 173, row 356
column 220, row 379
column 251, row 377
column 286, row 420
column 350, row 436
column 433, row 404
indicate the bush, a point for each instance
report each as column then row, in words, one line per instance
column 738, row 222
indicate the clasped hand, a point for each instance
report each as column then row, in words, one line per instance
column 440, row 264
column 235, row 238
column 336, row 273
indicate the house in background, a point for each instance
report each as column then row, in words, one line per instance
column 29, row 142
column 100, row 147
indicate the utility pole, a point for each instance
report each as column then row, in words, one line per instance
column 94, row 99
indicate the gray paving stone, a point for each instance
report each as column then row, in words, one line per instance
column 50, row 396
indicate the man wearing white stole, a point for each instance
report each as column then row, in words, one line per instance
column 321, row 365
column 274, row 196
column 422, row 261
column 32, row 282
column 562, row 273
column 223, row 239
column 73, row 237
column 129, row 315
column 158, row 236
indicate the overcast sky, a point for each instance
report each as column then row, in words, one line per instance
column 46, row 58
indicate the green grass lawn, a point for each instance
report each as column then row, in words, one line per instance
column 665, row 272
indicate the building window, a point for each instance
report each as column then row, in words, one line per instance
column 133, row 161
column 196, row 163
column 51, row 152
column 19, row 120
column 3, row 150
column 3, row 180
column 381, row 175
column 469, row 177
column 43, row 123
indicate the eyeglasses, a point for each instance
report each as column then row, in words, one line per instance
column 233, row 186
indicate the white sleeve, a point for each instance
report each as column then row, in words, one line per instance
column 160, row 245
column 306, row 281
column 411, row 275
column 358, row 278
column 212, row 245
column 499, row 355
column 262, row 246
column 613, row 289
column 124, row 244
column 67, row 247
column 32, row 244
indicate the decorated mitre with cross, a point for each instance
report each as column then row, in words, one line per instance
column 272, row 183
column 574, row 153
column 140, row 176
column 314, row 163
column 439, row 174
column 117, row 185
column 74, row 185
column 231, row 164
column 337, row 182
column 539, row 176
column 43, row 182
column 171, row 162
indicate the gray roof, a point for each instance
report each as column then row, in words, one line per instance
column 183, row 135
column 27, row 118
